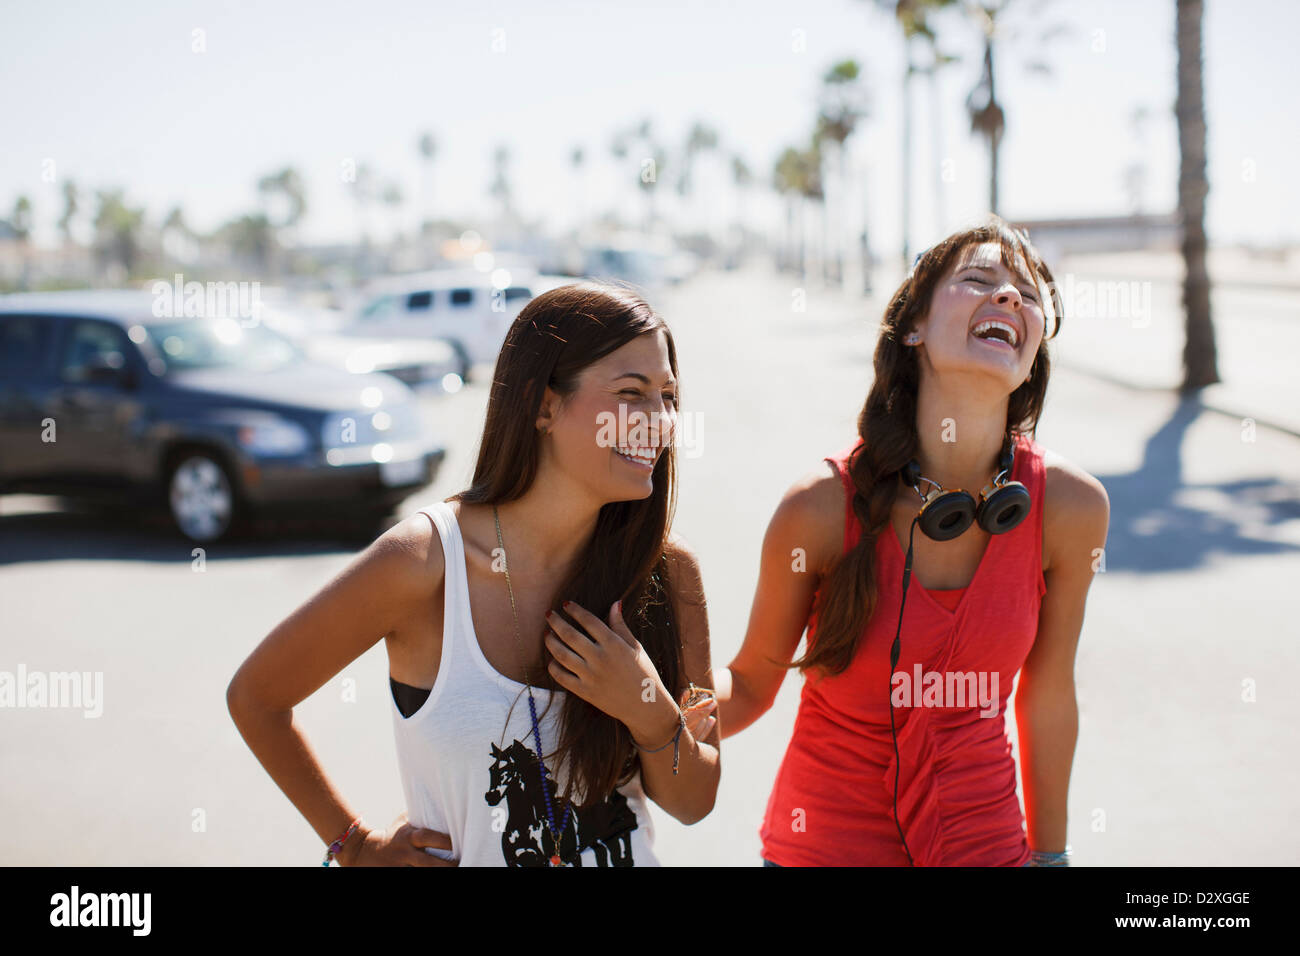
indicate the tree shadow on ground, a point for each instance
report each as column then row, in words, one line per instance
column 1159, row 522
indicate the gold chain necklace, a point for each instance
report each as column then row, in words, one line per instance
column 532, row 707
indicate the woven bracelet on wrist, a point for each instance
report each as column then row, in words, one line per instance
column 1044, row 858
column 337, row 845
column 676, row 742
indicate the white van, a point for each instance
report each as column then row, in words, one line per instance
column 463, row 308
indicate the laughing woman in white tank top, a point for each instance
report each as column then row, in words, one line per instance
column 547, row 609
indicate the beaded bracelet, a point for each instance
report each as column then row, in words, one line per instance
column 337, row 845
column 1043, row 858
column 676, row 741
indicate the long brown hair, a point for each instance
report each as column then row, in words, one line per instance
column 555, row 337
column 887, row 426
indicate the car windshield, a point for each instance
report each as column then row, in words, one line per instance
column 221, row 343
column 380, row 307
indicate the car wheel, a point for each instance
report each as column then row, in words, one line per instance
column 201, row 497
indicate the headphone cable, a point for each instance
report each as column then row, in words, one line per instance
column 893, row 662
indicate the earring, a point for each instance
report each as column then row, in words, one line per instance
column 911, row 338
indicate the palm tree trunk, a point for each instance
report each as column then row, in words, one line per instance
column 907, row 155
column 803, row 239
column 995, row 140
column 1199, row 359
column 841, row 210
column 936, row 146
column 826, row 240
column 787, row 253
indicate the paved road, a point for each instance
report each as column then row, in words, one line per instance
column 1173, row 766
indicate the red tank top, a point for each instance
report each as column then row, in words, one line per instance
column 832, row 803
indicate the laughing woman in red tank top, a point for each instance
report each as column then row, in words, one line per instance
column 910, row 763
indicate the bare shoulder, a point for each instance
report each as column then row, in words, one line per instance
column 819, row 492
column 1076, row 511
column 378, row 595
column 684, row 570
column 413, row 560
column 416, row 538
column 811, row 515
column 1071, row 490
column 686, row 587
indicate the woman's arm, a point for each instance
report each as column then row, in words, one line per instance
column 362, row 604
column 689, row 796
column 1075, row 521
column 803, row 539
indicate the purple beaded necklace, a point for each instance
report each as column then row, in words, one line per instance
column 532, row 712
column 550, row 809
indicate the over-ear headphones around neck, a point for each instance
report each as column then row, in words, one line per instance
column 946, row 513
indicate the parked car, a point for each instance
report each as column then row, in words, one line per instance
column 429, row 366
column 650, row 263
column 464, row 308
column 215, row 420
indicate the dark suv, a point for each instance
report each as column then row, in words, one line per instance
column 216, row 418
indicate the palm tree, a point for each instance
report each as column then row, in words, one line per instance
column 619, row 148
column 500, row 188
column 69, row 210
column 286, row 185
column 742, row 177
column 1199, row 354
column 785, row 180
column 641, row 138
column 577, row 159
column 913, row 19
column 701, row 139
column 986, row 115
column 67, row 252
column 843, row 105
column 648, row 179
column 21, row 220
column 938, row 60
column 363, row 194
column 428, row 148
column 812, row 184
column 251, row 238
column 797, row 176
column 117, row 229
column 175, row 225
column 391, row 195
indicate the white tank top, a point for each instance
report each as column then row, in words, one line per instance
column 467, row 774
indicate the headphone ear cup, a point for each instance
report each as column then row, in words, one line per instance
column 947, row 515
column 1005, row 508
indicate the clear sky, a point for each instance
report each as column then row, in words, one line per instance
column 115, row 94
